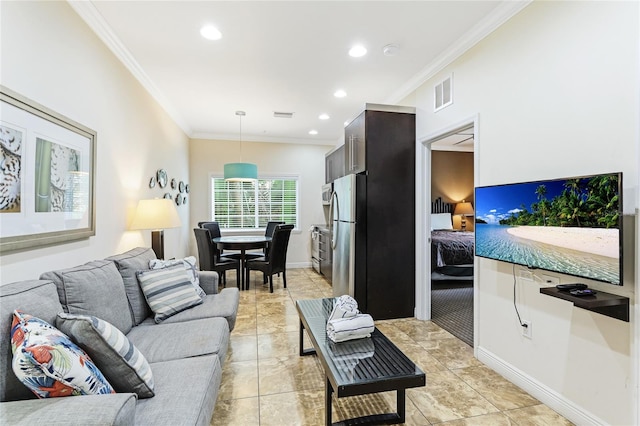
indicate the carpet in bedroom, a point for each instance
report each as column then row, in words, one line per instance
column 452, row 308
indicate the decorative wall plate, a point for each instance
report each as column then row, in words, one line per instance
column 152, row 182
column 187, row 188
column 184, row 200
column 181, row 186
column 162, row 178
column 168, row 196
column 173, row 184
column 179, row 199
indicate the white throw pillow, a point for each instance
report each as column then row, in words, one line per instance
column 47, row 362
column 441, row 221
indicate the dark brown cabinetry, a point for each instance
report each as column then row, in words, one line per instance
column 334, row 164
column 383, row 148
column 355, row 146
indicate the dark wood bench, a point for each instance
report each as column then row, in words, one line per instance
column 357, row 367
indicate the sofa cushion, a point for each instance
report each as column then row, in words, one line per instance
column 95, row 288
column 37, row 297
column 49, row 363
column 129, row 263
column 209, row 281
column 189, row 264
column 119, row 360
column 190, row 403
column 223, row 304
column 116, row 409
column 168, row 291
column 164, row 342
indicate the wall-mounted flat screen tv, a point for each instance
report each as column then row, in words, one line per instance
column 572, row 226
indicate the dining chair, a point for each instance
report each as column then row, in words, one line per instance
column 214, row 230
column 207, row 256
column 276, row 261
column 268, row 232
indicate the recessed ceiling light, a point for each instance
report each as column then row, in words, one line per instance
column 313, row 132
column 324, row 116
column 210, row 32
column 340, row 93
column 357, row 51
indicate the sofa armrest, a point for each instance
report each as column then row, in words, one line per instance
column 209, row 281
column 113, row 409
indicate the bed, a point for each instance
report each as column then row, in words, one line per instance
column 451, row 250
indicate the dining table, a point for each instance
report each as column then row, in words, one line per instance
column 242, row 243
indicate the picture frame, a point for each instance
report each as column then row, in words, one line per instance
column 47, row 184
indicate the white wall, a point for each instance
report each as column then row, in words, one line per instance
column 207, row 158
column 50, row 56
column 556, row 92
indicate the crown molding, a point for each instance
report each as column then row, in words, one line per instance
column 261, row 139
column 502, row 13
column 88, row 12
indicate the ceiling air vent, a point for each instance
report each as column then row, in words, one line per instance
column 443, row 94
column 278, row 114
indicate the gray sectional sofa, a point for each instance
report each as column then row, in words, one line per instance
column 185, row 351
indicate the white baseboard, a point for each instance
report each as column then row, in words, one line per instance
column 298, row 265
column 542, row 393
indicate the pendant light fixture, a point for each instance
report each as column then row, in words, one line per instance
column 240, row 172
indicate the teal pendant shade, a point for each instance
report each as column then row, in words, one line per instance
column 240, row 172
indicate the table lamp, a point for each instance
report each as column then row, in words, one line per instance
column 463, row 209
column 156, row 214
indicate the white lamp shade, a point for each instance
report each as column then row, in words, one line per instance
column 159, row 213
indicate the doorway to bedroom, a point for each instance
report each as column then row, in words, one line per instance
column 452, row 232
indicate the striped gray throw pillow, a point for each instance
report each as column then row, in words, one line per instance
column 168, row 291
column 117, row 358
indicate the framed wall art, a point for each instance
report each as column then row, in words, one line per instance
column 47, row 180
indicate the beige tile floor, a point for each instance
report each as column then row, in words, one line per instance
column 265, row 382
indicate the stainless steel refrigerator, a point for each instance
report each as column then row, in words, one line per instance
column 348, row 220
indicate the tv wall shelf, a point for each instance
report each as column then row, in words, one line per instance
column 608, row 304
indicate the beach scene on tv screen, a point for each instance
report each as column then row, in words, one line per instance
column 568, row 225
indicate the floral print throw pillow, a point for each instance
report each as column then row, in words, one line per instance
column 49, row 363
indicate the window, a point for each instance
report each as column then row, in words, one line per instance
column 250, row 205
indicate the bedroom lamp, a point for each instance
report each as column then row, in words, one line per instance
column 156, row 214
column 240, row 172
column 463, row 209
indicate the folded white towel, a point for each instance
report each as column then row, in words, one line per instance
column 344, row 307
column 357, row 327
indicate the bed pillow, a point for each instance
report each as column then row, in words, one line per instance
column 47, row 362
column 168, row 291
column 441, row 221
column 189, row 264
column 118, row 359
